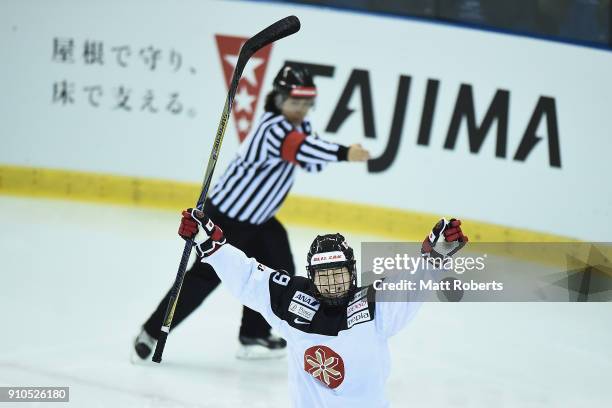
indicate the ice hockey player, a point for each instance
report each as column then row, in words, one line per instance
column 337, row 337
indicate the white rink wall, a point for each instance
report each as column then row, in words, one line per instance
column 543, row 163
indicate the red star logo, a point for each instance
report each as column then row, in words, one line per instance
column 247, row 94
column 325, row 365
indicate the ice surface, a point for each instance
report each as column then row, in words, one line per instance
column 77, row 281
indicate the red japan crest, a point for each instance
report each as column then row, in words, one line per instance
column 325, row 365
column 250, row 83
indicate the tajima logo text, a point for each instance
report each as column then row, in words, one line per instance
column 247, row 94
column 541, row 124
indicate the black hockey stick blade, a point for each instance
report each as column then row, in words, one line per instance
column 281, row 29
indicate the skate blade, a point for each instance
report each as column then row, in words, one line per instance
column 256, row 352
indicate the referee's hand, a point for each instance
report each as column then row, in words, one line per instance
column 356, row 153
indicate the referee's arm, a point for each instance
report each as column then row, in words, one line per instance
column 308, row 151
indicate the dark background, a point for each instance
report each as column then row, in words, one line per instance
column 585, row 22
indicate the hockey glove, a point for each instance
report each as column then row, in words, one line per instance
column 444, row 240
column 207, row 237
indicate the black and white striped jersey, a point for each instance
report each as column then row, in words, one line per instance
column 259, row 178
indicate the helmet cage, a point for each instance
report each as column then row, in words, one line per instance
column 333, row 298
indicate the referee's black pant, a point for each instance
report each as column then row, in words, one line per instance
column 268, row 243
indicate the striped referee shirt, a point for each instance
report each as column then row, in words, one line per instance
column 258, row 179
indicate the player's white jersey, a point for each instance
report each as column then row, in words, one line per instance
column 338, row 357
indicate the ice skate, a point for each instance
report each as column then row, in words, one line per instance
column 261, row 348
column 143, row 347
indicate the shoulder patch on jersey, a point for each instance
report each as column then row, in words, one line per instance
column 357, row 318
column 356, row 307
column 304, row 306
column 360, row 294
column 306, row 300
column 358, row 310
column 301, row 311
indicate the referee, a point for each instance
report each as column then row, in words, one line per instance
column 245, row 200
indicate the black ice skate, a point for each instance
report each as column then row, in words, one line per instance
column 259, row 348
column 143, row 346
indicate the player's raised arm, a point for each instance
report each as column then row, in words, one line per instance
column 444, row 240
column 247, row 279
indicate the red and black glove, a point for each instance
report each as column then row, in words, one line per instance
column 444, row 240
column 207, row 237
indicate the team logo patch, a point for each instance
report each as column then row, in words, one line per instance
column 325, row 365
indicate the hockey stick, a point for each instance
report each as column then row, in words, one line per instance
column 281, row 29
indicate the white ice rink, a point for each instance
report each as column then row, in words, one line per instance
column 78, row 280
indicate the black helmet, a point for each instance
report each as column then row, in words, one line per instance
column 331, row 252
column 295, row 81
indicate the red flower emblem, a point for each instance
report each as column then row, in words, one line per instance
column 325, row 365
